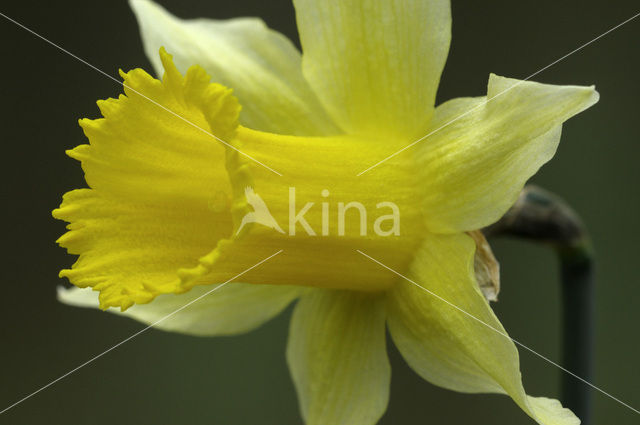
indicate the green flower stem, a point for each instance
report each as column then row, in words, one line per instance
column 543, row 217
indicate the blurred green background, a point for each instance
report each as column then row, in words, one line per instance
column 162, row 378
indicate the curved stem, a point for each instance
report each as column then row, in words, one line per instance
column 543, row 217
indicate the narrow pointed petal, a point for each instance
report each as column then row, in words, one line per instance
column 483, row 150
column 261, row 65
column 375, row 64
column 448, row 347
column 337, row 357
column 233, row 309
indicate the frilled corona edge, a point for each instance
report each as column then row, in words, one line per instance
column 160, row 173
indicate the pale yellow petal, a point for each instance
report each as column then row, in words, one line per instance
column 459, row 343
column 337, row 357
column 261, row 65
column 232, row 309
column 375, row 64
column 474, row 168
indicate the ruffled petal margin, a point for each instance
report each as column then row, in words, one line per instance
column 160, row 195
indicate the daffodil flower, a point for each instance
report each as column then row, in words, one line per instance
column 158, row 226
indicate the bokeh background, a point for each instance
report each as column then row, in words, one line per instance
column 163, row 378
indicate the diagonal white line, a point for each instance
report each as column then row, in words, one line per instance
column 138, row 93
column 497, row 95
column 498, row 331
column 135, row 334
